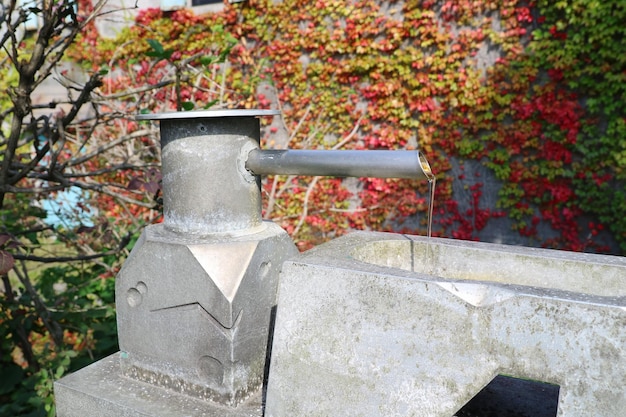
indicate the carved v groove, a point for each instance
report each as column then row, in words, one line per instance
column 228, row 332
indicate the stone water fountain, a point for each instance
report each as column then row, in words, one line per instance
column 369, row 324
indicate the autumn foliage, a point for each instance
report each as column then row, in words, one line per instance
column 532, row 92
column 502, row 83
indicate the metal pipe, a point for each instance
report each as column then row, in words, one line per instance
column 340, row 163
column 211, row 163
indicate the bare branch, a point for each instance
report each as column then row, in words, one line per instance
column 51, row 325
column 104, row 190
column 127, row 93
column 77, row 258
column 101, row 149
column 305, row 205
column 113, row 168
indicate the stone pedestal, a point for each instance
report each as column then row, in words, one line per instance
column 194, row 314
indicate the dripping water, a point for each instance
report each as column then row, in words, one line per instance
column 431, row 203
column 432, row 181
column 431, row 192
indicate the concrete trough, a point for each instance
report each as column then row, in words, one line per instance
column 395, row 325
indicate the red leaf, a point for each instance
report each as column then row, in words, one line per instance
column 4, row 238
column 135, row 184
column 6, row 262
column 152, row 187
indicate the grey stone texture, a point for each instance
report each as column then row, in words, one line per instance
column 194, row 315
column 100, row 390
column 391, row 325
column 206, row 187
column 195, row 298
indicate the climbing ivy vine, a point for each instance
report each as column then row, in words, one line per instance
column 533, row 90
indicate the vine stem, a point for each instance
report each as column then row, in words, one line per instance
column 313, row 183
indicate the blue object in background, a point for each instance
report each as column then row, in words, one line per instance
column 173, row 4
column 63, row 210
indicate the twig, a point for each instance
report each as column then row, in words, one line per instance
column 53, row 259
column 305, row 205
column 309, row 190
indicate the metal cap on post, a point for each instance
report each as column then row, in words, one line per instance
column 206, row 188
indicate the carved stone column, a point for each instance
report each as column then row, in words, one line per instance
column 194, row 299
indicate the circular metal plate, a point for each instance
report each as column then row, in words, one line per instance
column 205, row 114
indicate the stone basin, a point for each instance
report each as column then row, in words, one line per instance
column 387, row 324
column 582, row 273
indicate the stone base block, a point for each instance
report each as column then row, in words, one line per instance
column 194, row 312
column 99, row 390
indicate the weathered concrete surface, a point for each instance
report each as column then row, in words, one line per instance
column 100, row 390
column 358, row 339
column 194, row 313
column 206, row 187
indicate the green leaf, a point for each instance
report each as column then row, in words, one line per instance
column 207, row 60
column 211, row 104
column 158, row 51
column 156, row 46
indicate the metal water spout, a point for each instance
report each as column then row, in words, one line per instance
column 195, row 297
column 211, row 165
column 340, row 163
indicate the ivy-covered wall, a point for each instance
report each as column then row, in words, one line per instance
column 520, row 107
